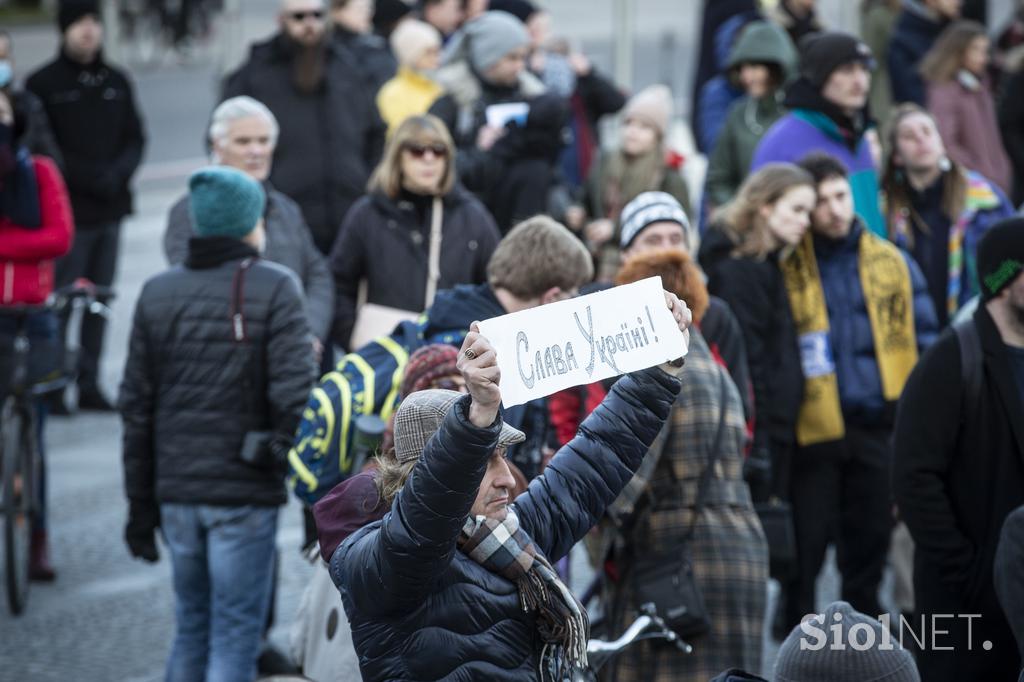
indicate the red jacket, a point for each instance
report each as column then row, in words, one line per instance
column 27, row 255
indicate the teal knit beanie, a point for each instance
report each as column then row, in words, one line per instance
column 224, row 202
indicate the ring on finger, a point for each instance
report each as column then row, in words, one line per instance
column 470, row 353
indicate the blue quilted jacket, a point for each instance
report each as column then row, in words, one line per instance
column 853, row 343
column 422, row 610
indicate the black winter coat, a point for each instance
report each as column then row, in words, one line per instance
column 387, row 243
column 370, row 54
column 756, row 293
column 37, row 135
column 724, row 336
column 422, row 610
column 912, row 37
column 191, row 391
column 1011, row 126
column 600, row 97
column 958, row 472
column 96, row 123
column 330, row 141
column 516, row 178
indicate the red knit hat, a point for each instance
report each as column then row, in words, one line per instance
column 428, row 364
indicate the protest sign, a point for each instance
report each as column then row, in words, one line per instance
column 583, row 340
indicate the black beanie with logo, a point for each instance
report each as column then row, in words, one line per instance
column 1000, row 257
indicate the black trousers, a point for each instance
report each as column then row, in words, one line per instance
column 93, row 255
column 840, row 493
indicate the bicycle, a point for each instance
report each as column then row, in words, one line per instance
column 648, row 625
column 20, row 463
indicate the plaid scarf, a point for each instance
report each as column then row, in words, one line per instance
column 504, row 548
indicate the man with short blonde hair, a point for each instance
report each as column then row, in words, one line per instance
column 534, row 259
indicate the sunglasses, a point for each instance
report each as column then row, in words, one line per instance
column 418, row 151
column 309, row 14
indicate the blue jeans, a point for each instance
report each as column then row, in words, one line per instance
column 223, row 565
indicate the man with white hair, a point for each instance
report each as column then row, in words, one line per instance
column 243, row 135
column 331, row 133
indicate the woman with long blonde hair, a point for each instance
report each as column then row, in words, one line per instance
column 740, row 254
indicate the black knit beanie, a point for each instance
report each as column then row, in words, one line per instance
column 823, row 53
column 71, row 11
column 1000, row 257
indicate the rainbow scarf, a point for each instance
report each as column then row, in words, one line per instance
column 980, row 197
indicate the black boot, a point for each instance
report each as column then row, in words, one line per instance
column 39, row 568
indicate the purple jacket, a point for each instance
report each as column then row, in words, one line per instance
column 804, row 131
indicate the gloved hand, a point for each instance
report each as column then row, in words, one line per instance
column 140, row 531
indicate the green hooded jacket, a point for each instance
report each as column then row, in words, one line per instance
column 749, row 119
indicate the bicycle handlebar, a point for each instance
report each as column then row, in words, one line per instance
column 83, row 288
column 649, row 625
column 94, row 296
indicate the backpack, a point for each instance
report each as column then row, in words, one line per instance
column 364, row 382
column 971, row 360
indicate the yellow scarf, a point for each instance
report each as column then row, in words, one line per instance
column 885, row 279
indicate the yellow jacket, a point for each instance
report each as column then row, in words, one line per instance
column 407, row 94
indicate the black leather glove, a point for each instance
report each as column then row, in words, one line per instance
column 140, row 531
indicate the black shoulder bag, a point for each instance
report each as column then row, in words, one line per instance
column 666, row 579
column 256, row 445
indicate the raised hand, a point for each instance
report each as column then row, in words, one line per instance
column 684, row 318
column 478, row 364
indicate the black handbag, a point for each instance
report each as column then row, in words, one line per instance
column 666, row 579
column 777, row 521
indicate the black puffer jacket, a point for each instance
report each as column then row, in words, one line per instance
column 191, row 391
column 330, row 140
column 387, row 243
column 422, row 610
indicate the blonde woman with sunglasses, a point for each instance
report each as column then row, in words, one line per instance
column 414, row 233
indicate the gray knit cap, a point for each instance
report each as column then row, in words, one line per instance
column 486, row 39
column 827, row 663
column 421, row 415
column 648, row 208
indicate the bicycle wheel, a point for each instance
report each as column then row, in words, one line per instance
column 18, row 487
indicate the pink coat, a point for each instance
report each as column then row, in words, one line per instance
column 966, row 118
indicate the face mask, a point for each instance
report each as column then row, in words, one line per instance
column 6, row 73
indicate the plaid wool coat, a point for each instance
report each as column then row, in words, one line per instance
column 728, row 548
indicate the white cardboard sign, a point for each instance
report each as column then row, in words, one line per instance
column 547, row 349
